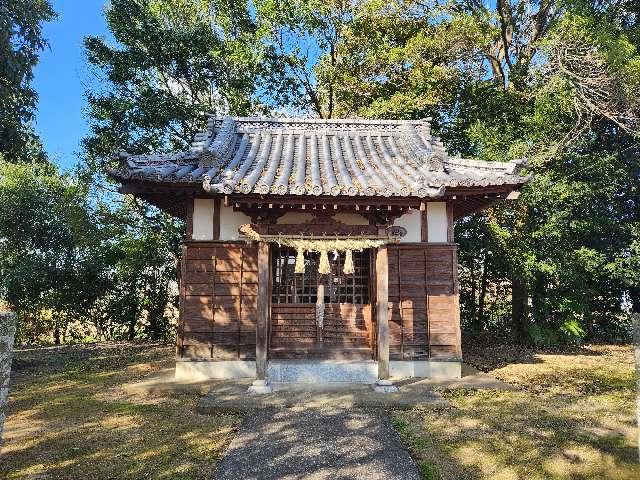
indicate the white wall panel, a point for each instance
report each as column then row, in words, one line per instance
column 437, row 221
column 203, row 219
column 230, row 221
column 412, row 222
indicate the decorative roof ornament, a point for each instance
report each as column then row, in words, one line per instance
column 517, row 165
column 432, row 160
column 221, row 147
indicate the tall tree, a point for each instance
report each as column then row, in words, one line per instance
column 50, row 272
column 21, row 42
column 173, row 62
column 301, row 42
column 553, row 81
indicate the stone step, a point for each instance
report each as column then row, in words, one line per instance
column 323, row 371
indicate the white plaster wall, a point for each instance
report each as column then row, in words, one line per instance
column 230, row 221
column 350, row 219
column 437, row 221
column 412, row 222
column 294, row 218
column 203, row 219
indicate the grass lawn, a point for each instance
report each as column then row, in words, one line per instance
column 70, row 419
column 572, row 417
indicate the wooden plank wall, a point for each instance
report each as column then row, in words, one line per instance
column 293, row 325
column 424, row 318
column 218, row 296
column 348, row 325
column 219, row 302
column 346, row 334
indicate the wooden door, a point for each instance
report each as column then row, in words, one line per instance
column 320, row 316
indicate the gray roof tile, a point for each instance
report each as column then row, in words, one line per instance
column 319, row 157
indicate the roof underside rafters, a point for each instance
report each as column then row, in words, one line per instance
column 173, row 198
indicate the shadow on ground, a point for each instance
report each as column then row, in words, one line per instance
column 70, row 418
column 318, row 444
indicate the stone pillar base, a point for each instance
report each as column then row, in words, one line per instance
column 384, row 386
column 259, row 387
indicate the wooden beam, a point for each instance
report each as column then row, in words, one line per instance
column 450, row 221
column 456, row 306
column 216, row 219
column 262, row 323
column 424, row 226
column 182, row 292
column 382, row 311
column 189, row 220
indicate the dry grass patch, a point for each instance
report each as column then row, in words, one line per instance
column 70, row 418
column 571, row 418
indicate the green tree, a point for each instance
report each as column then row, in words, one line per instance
column 21, row 42
column 50, row 273
column 553, row 81
column 143, row 256
column 300, row 41
column 173, row 62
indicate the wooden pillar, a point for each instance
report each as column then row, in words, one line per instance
column 189, row 218
column 450, row 222
column 216, row 219
column 263, row 310
column 182, row 276
column 424, row 223
column 382, row 311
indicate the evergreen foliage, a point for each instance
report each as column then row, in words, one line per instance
column 21, row 42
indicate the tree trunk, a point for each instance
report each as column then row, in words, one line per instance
column 132, row 328
column 56, row 335
column 7, row 337
column 483, row 293
column 519, row 308
column 474, row 310
column 634, row 296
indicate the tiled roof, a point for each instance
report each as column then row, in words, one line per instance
column 319, row 157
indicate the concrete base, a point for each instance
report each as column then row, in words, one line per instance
column 197, row 371
column 433, row 369
column 384, row 386
column 259, row 387
column 322, row 371
column 315, row 371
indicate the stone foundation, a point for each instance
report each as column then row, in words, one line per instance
column 197, row 371
column 322, row 371
column 435, row 369
column 7, row 335
column 316, row 371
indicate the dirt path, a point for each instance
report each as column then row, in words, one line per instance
column 317, row 444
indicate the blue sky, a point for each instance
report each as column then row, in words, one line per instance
column 62, row 76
